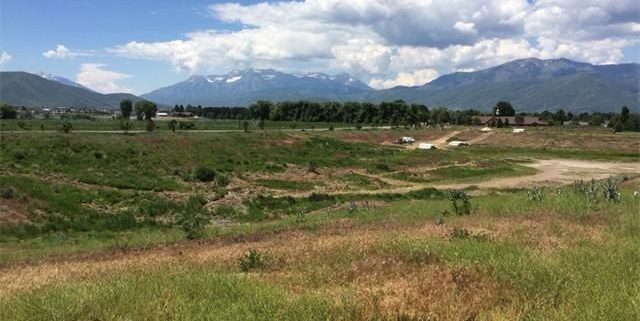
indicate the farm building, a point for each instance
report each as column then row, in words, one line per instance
column 526, row 121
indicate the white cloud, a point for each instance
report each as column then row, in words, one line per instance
column 391, row 42
column 96, row 77
column 62, row 52
column 415, row 78
column 5, row 58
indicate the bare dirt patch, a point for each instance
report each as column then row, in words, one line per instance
column 12, row 212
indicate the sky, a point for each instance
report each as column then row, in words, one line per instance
column 140, row 45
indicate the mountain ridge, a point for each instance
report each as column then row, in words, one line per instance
column 530, row 84
column 26, row 89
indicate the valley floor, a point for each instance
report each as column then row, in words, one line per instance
column 336, row 225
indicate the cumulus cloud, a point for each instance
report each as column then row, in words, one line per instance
column 98, row 78
column 399, row 42
column 5, row 58
column 62, row 52
column 415, row 78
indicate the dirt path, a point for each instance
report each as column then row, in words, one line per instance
column 442, row 142
column 552, row 172
column 480, row 138
column 555, row 172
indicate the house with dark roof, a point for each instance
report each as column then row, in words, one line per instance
column 511, row 120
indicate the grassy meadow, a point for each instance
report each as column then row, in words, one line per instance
column 317, row 225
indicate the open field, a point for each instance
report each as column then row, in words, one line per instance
column 108, row 124
column 318, row 225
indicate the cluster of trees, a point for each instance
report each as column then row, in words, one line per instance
column 397, row 113
column 143, row 109
column 8, row 112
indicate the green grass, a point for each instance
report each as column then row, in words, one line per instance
column 107, row 124
column 167, row 293
column 286, row 185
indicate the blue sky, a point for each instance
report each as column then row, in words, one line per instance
column 141, row 45
column 31, row 27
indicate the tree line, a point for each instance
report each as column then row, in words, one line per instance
column 400, row 113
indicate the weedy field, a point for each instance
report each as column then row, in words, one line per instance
column 317, row 225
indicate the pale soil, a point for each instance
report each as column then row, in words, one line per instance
column 551, row 172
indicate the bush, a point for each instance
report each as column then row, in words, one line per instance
column 464, row 234
column 313, row 167
column 7, row 192
column 222, row 180
column 460, row 202
column 151, row 126
column 610, row 191
column 535, row 194
column 66, row 127
column 251, row 260
column 187, row 125
column 193, row 218
column 204, row 174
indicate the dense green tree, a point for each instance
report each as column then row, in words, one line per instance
column 505, row 109
column 8, row 112
column 126, row 106
column 596, row 120
column 261, row 109
column 146, row 109
column 624, row 114
column 172, row 125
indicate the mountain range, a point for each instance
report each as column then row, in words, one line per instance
column 243, row 87
column 529, row 84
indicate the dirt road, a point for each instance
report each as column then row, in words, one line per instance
column 552, row 172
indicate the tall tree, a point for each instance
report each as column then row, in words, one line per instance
column 505, row 109
column 146, row 109
column 8, row 112
column 261, row 109
column 125, row 108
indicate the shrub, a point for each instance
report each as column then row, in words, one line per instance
column 193, row 218
column 204, row 174
column 610, row 191
column 300, row 217
column 464, row 234
column 7, row 192
column 251, row 260
column 221, row 180
column 125, row 125
column 331, row 127
column 66, row 127
column 313, row 167
column 439, row 220
column 186, row 125
column 535, row 194
column 352, row 207
column 460, row 202
column 151, row 126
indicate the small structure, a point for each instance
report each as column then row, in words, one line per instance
column 525, row 121
column 162, row 114
column 182, row 114
column 518, row 130
column 486, row 129
column 458, row 143
column 405, row 140
column 426, row 146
